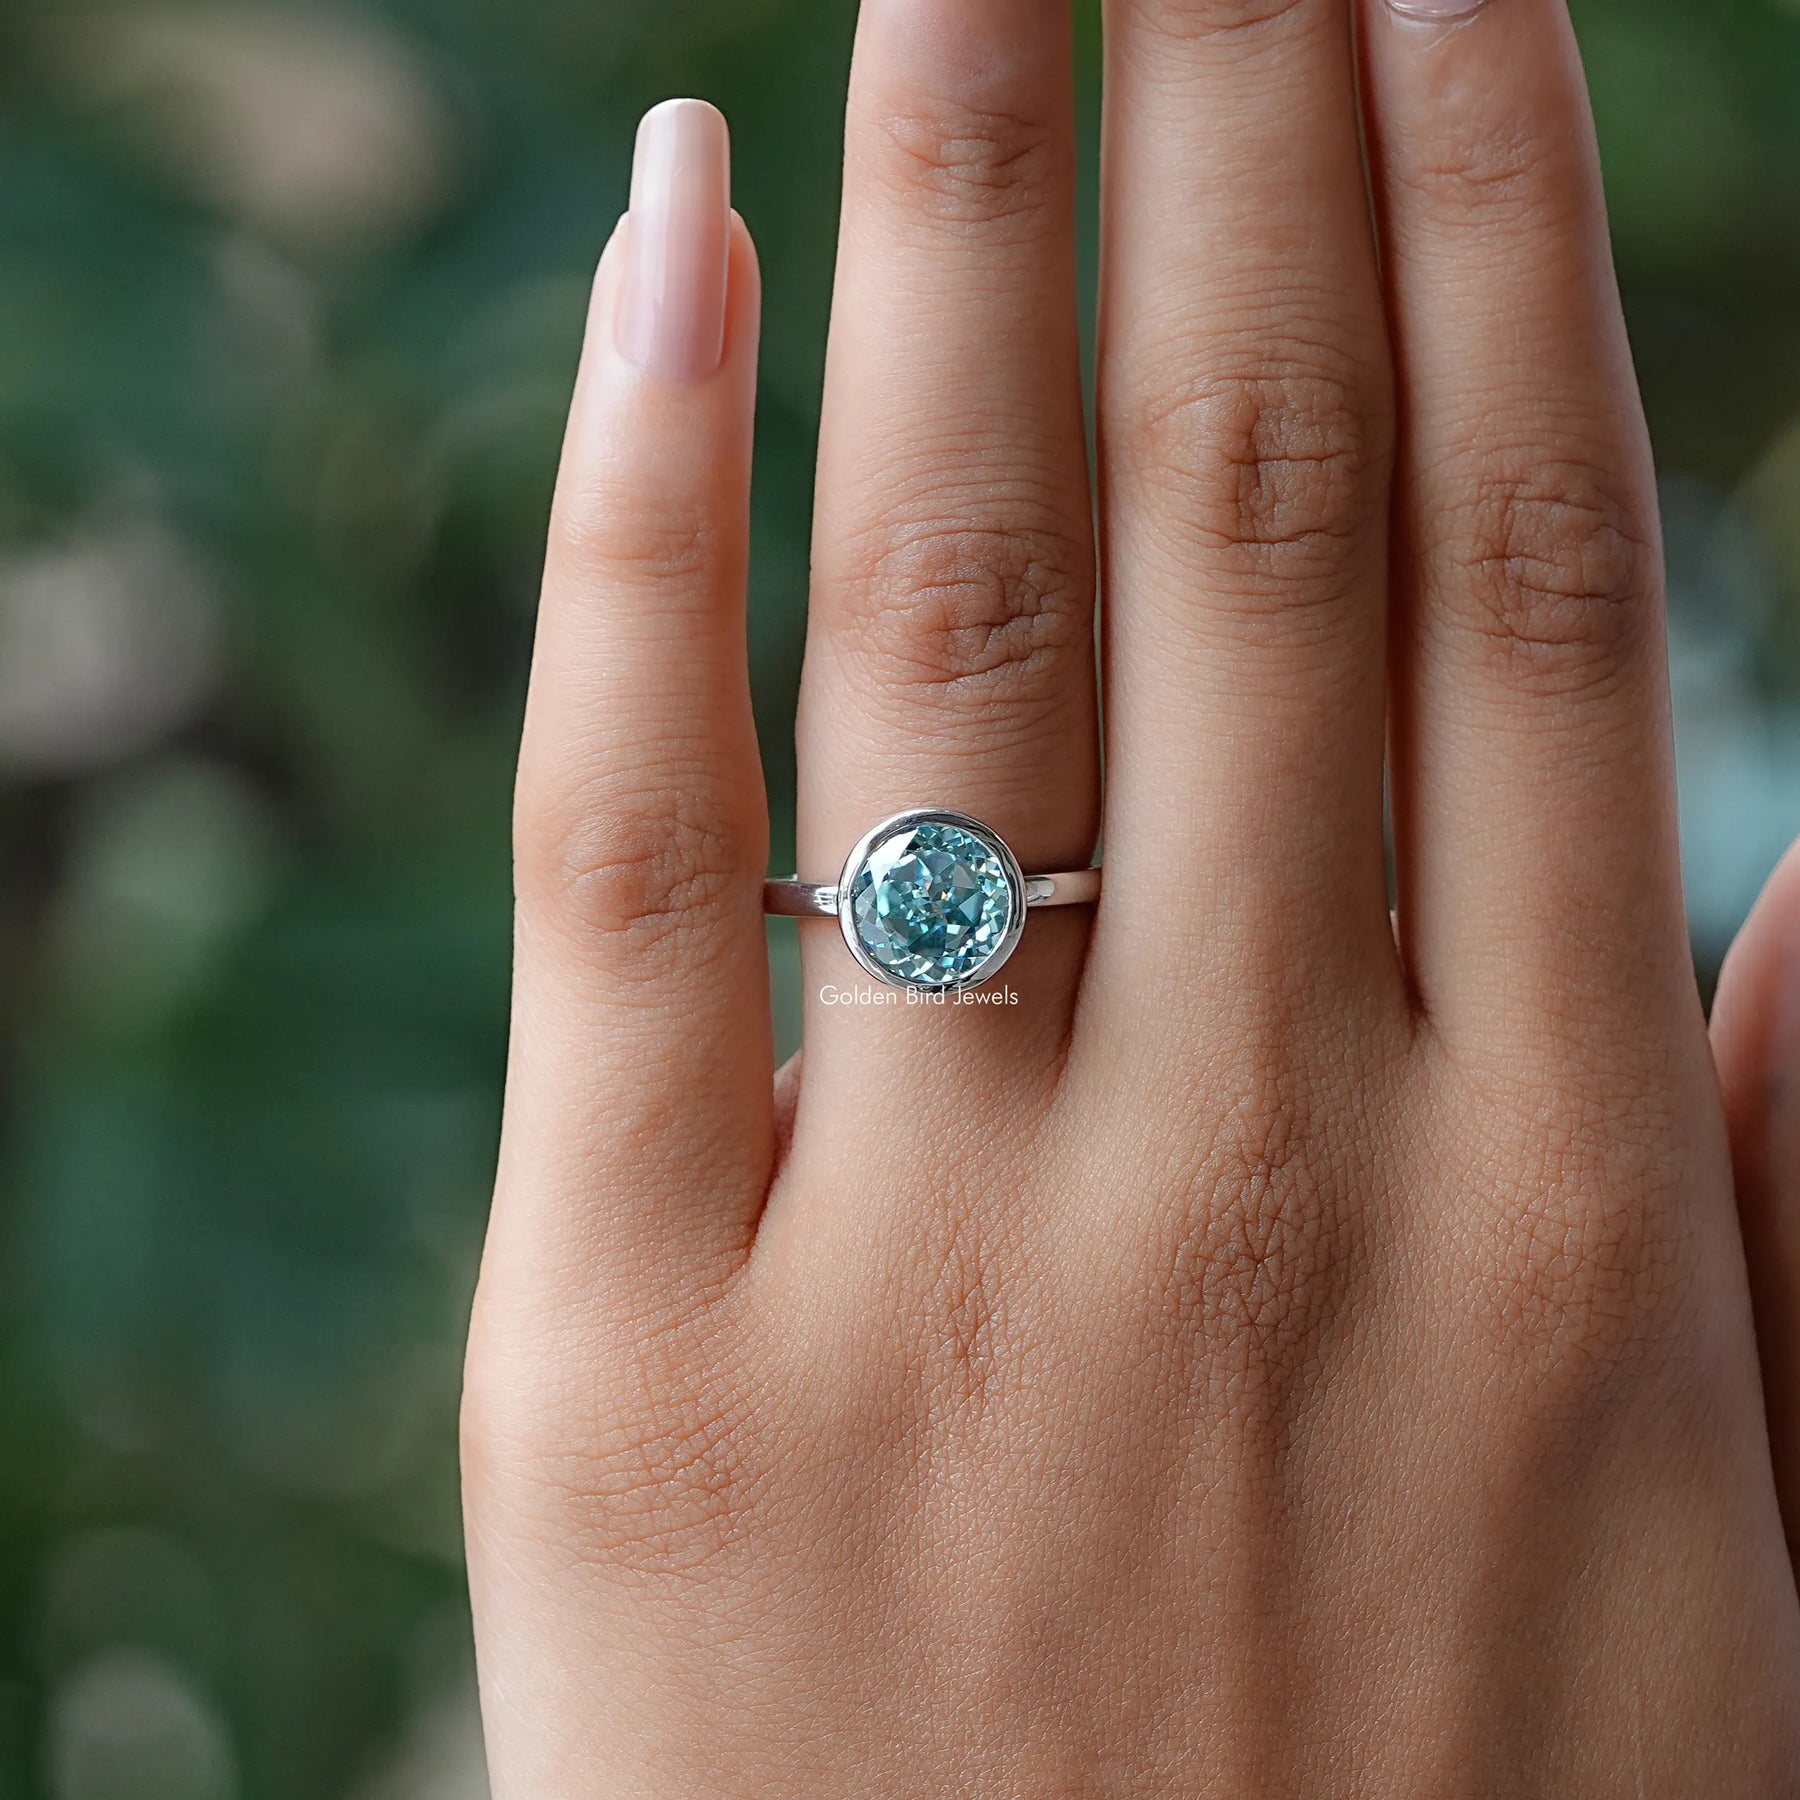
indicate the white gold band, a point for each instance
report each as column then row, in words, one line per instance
column 811, row 900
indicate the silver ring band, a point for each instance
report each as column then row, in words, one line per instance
column 931, row 900
column 808, row 900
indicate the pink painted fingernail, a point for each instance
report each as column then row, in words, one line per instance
column 1436, row 12
column 671, row 319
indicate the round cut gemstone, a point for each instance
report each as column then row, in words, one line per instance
column 932, row 905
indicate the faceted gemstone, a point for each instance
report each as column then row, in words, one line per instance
column 932, row 905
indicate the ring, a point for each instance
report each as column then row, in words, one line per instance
column 931, row 900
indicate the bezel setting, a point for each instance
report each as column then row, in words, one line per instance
column 899, row 825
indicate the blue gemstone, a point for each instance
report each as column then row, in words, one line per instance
column 932, row 905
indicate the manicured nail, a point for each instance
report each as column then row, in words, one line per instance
column 1436, row 12
column 671, row 319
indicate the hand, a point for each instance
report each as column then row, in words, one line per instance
column 1272, row 1359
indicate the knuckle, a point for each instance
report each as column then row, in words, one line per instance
column 666, row 1495
column 612, row 532
column 960, row 1296
column 1189, row 20
column 1588, row 1278
column 1258, row 1245
column 1559, row 571
column 958, row 611
column 644, row 1467
column 646, row 873
column 968, row 165
column 1496, row 168
column 1268, row 474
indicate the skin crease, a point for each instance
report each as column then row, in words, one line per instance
column 1283, row 1356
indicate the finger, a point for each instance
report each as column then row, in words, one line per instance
column 639, row 1099
column 1245, row 424
column 1533, row 775
column 951, row 660
column 1756, row 1038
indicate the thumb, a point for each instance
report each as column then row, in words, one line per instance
column 1756, row 1040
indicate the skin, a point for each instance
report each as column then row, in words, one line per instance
column 1756, row 1034
column 1287, row 1356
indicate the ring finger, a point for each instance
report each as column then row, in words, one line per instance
column 950, row 662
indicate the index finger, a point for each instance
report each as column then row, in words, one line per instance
column 639, row 1103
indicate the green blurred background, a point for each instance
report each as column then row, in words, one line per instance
column 289, row 302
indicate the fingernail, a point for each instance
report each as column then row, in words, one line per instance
column 671, row 318
column 1436, row 12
